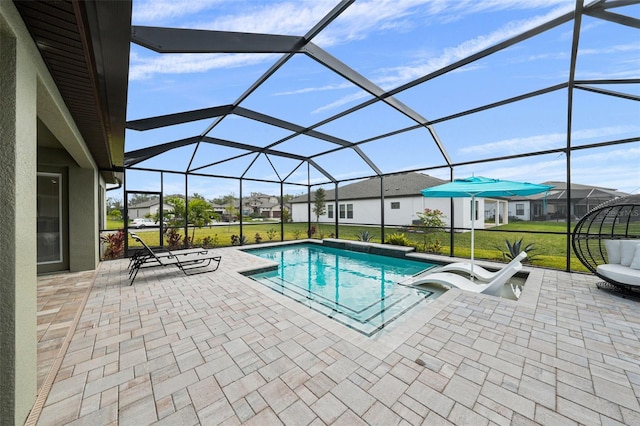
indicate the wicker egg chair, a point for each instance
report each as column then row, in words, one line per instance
column 617, row 219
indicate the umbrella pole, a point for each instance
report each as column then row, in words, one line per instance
column 473, row 227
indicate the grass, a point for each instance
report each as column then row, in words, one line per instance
column 549, row 249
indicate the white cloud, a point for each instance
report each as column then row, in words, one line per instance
column 615, row 168
column 145, row 67
column 542, row 142
column 157, row 11
column 393, row 77
column 315, row 89
column 296, row 18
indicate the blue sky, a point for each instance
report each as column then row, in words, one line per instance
column 392, row 43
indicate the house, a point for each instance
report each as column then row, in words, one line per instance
column 63, row 79
column 262, row 205
column 147, row 208
column 553, row 206
column 360, row 203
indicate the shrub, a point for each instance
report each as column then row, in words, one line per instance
column 115, row 214
column 398, row 239
column 296, row 233
column 435, row 247
column 271, row 233
column 210, row 242
column 312, row 231
column 115, row 245
column 258, row 238
column 173, row 238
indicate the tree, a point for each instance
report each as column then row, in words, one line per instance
column 114, row 203
column 433, row 221
column 136, row 199
column 286, row 215
column 224, row 200
column 200, row 212
column 319, row 205
column 178, row 208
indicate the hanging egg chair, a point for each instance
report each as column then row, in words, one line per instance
column 607, row 241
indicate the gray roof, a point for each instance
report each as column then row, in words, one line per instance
column 400, row 185
column 578, row 191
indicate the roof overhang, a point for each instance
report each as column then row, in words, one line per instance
column 85, row 45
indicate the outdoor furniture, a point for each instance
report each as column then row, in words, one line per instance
column 189, row 261
column 449, row 279
column 607, row 241
column 479, row 272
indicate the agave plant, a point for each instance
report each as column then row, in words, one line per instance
column 364, row 236
column 515, row 248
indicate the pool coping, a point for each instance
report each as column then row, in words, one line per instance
column 392, row 336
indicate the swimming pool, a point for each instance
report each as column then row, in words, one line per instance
column 357, row 289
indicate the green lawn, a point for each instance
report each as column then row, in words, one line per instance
column 549, row 250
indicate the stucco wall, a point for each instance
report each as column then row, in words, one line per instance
column 368, row 211
column 17, row 223
column 28, row 94
column 83, row 219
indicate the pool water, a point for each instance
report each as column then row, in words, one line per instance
column 357, row 289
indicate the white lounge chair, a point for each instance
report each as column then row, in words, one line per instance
column 478, row 271
column 449, row 279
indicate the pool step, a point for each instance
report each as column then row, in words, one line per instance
column 367, row 320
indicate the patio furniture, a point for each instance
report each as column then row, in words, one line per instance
column 607, row 241
column 189, row 261
column 477, row 271
column 451, row 280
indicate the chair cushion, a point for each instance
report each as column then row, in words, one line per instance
column 635, row 262
column 621, row 274
column 613, row 250
column 627, row 251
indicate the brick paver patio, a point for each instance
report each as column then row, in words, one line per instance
column 218, row 348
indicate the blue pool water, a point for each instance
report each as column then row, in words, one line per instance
column 358, row 289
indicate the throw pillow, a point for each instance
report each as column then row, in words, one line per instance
column 627, row 251
column 613, row 250
column 635, row 262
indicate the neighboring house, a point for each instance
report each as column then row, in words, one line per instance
column 264, row 205
column 553, row 206
column 360, row 203
column 62, row 121
column 149, row 207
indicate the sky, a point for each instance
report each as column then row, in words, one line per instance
column 390, row 43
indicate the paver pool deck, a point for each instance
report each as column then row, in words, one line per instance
column 219, row 348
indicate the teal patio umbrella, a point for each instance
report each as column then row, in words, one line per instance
column 482, row 187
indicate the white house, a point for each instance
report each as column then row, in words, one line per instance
column 149, row 207
column 360, row 203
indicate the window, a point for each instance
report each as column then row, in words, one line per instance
column 519, row 209
column 349, row 211
column 342, row 211
column 395, row 205
column 49, row 212
column 330, row 211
